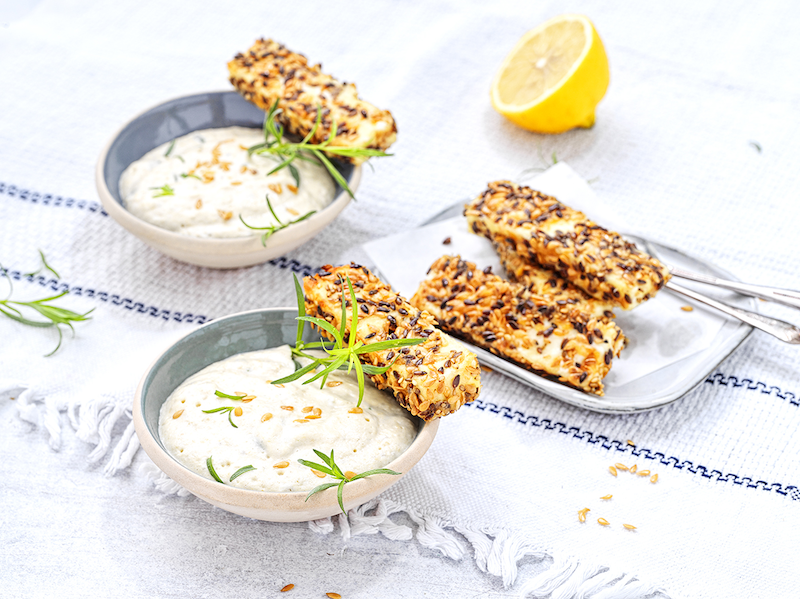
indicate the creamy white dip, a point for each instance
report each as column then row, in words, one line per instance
column 208, row 180
column 361, row 441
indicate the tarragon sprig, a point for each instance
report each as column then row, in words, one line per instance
column 237, row 474
column 272, row 229
column 333, row 470
column 55, row 315
column 288, row 152
column 164, row 190
column 341, row 355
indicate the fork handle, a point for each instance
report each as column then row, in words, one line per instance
column 782, row 296
column 777, row 328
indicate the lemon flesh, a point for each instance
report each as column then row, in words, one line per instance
column 554, row 77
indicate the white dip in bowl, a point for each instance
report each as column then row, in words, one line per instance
column 301, row 418
column 199, row 185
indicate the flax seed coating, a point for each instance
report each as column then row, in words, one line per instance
column 431, row 379
column 509, row 320
column 269, row 72
column 564, row 240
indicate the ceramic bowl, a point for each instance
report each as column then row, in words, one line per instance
column 220, row 339
column 176, row 118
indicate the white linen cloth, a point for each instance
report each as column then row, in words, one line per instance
column 492, row 507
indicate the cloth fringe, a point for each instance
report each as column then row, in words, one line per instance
column 497, row 552
column 94, row 421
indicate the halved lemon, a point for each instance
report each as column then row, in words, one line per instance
column 554, row 77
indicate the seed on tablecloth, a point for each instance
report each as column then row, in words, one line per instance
column 621, row 467
column 602, row 522
column 612, row 470
column 654, row 478
column 633, row 469
column 606, row 497
column 629, row 526
column 288, row 587
column 644, row 473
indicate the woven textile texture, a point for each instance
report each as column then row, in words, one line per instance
column 695, row 142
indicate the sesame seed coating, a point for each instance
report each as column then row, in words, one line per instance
column 268, row 71
column 432, row 379
column 566, row 241
column 509, row 320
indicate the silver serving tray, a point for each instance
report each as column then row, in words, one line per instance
column 660, row 387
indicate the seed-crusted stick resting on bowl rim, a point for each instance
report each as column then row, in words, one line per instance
column 599, row 261
column 431, row 379
column 268, row 71
column 510, row 321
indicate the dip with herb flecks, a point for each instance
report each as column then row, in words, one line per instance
column 203, row 184
column 275, row 425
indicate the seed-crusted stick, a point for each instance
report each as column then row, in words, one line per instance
column 600, row 262
column 268, row 71
column 541, row 281
column 510, row 321
column 432, row 379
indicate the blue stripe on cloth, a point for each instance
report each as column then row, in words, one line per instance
column 35, row 197
column 622, row 446
column 732, row 381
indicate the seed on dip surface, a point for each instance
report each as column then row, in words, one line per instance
column 288, row 408
column 248, row 398
column 349, row 474
column 282, row 441
column 288, row 587
column 177, row 414
column 334, row 383
column 356, row 410
column 317, row 473
column 206, row 164
column 280, row 465
column 307, row 409
column 238, row 411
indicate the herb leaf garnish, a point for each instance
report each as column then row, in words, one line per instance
column 211, row 471
column 333, row 470
column 226, row 409
column 288, row 152
column 272, row 229
column 55, row 315
column 164, row 190
column 241, row 471
column 226, row 396
column 187, row 175
column 170, row 148
column 341, row 355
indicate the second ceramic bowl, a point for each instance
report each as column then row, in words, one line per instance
column 176, row 118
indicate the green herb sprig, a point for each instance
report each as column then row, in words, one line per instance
column 237, row 474
column 225, row 409
column 272, row 229
column 288, row 152
column 44, row 266
column 333, row 470
column 55, row 315
column 164, row 190
column 341, row 355
column 187, row 175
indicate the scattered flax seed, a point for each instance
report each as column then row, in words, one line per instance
column 349, row 474
column 581, row 517
column 177, row 414
column 240, row 393
column 266, row 417
column 307, row 409
column 654, row 478
column 292, row 211
column 334, row 383
column 606, row 497
column 248, row 398
column 334, row 595
column 225, row 215
column 238, row 411
column 288, row 587
column 629, row 526
column 612, row 470
column 301, row 420
column 198, row 204
column 355, row 410
column 687, row 308
column 622, row 467
column 602, row 521
column 276, row 187
column 280, row 465
column 447, row 241
column 243, row 169
column 236, row 182
column 293, row 189
column 631, row 443
column 288, row 408
column 316, row 412
column 241, row 147
column 280, row 385
column 633, row 469
column 644, row 473
column 317, row 473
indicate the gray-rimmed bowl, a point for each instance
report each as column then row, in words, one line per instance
column 179, row 117
column 220, row 339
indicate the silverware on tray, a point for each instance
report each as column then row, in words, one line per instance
column 777, row 328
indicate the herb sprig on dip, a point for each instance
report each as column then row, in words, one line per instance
column 340, row 354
